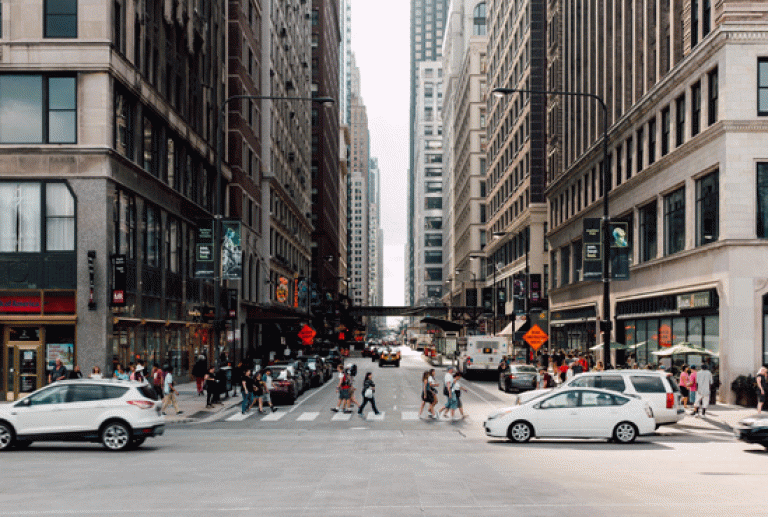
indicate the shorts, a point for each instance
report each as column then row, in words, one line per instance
column 344, row 393
column 760, row 397
column 683, row 392
column 428, row 397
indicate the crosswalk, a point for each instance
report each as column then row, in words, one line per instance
column 313, row 416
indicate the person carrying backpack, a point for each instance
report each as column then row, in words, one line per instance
column 344, row 391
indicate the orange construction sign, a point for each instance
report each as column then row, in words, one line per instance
column 535, row 337
column 307, row 335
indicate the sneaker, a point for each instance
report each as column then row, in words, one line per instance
column 274, row 409
column 179, row 412
column 359, row 413
column 378, row 412
column 347, row 410
column 335, row 410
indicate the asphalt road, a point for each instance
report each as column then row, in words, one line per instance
column 306, row 463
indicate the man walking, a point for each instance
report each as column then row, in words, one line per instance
column 266, row 397
column 170, row 392
column 704, row 383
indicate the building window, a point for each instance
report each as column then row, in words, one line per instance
column 651, row 141
column 152, row 235
column 433, row 203
column 577, row 261
column 59, row 218
column 639, row 149
column 674, row 222
column 696, row 107
column 707, row 209
column 694, row 23
column 433, row 257
column 125, row 224
column 666, row 129
column 713, row 95
column 479, row 19
column 628, row 168
column 618, row 167
column 680, row 121
column 150, row 133
column 648, row 232
column 37, row 109
column 762, row 200
column 60, row 18
column 706, row 14
column 119, row 26
column 553, row 262
column 27, row 208
column 433, row 240
column 565, row 265
column 172, row 245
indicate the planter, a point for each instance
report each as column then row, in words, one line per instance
column 746, row 398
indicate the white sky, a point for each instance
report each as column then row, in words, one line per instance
column 380, row 42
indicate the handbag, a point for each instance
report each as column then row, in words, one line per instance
column 368, row 393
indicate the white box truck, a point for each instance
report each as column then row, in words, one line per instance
column 480, row 353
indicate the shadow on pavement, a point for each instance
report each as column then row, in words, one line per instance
column 581, row 445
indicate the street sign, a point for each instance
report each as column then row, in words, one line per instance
column 592, row 262
column 535, row 337
column 307, row 335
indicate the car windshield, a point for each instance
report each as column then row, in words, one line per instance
column 524, row 369
column 280, row 374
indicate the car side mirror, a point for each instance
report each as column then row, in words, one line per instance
column 24, row 403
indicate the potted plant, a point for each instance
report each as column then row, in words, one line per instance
column 745, row 387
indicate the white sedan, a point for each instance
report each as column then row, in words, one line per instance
column 574, row 413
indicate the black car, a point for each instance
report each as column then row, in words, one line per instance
column 284, row 385
column 335, row 359
column 317, row 371
column 518, row 377
column 753, row 429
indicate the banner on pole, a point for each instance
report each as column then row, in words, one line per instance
column 231, row 251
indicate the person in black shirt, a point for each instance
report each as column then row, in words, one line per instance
column 369, row 388
column 59, row 373
column 76, row 373
column 247, row 383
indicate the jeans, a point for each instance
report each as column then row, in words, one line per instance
column 247, row 401
column 365, row 401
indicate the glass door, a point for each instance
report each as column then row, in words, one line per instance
column 23, row 362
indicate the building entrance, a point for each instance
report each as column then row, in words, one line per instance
column 23, row 361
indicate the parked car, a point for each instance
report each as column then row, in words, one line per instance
column 376, row 352
column 753, row 429
column 335, row 359
column 389, row 356
column 284, row 384
column 659, row 389
column 317, row 371
column 297, row 375
column 119, row 414
column 574, row 413
column 518, row 377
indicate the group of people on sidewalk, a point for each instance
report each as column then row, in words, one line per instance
column 452, row 389
column 346, row 390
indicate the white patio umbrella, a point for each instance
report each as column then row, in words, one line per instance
column 681, row 348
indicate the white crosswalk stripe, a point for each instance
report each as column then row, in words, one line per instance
column 409, row 415
column 341, row 417
column 373, row 416
column 273, row 417
column 308, row 416
column 238, row 417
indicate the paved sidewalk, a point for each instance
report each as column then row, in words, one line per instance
column 721, row 416
column 193, row 407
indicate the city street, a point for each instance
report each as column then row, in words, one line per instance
column 306, row 460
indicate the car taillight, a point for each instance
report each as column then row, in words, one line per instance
column 143, row 404
column 283, row 383
column 512, row 376
column 670, row 400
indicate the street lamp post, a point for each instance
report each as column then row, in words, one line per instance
column 217, row 215
column 605, row 323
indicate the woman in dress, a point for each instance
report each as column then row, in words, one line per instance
column 684, row 386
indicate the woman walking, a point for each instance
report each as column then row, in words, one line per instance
column 258, row 392
column 684, row 386
column 210, row 387
column 427, row 395
column 369, row 389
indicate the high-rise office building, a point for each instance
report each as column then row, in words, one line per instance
column 427, row 25
column 359, row 203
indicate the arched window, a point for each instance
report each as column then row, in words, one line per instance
column 479, row 20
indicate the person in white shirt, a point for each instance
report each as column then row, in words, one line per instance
column 704, row 382
column 266, row 398
column 448, row 380
column 170, row 392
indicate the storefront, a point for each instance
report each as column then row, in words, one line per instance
column 37, row 327
column 573, row 329
column 647, row 325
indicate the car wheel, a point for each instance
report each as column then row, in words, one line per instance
column 520, row 432
column 291, row 400
column 507, row 386
column 116, row 436
column 381, row 364
column 397, row 364
column 625, row 432
column 501, row 388
column 6, row 436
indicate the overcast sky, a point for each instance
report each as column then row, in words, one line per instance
column 380, row 42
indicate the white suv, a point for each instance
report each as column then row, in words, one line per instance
column 119, row 414
column 659, row 389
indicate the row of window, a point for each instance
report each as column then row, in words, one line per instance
column 38, row 109
column 707, row 226
column 36, row 217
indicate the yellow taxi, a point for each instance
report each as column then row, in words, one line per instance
column 389, row 356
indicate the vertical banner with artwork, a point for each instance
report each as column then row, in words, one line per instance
column 118, row 280
column 204, row 266
column 281, row 291
column 593, row 249
column 620, row 251
column 231, row 251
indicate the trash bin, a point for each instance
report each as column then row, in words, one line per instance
column 227, row 371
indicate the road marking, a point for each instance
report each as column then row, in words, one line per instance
column 273, row 417
column 321, row 388
column 409, row 415
column 374, row 416
column 341, row 417
column 237, row 417
column 308, row 416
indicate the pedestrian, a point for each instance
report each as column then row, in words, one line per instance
column 369, row 389
column 562, row 371
column 76, row 373
column 140, row 373
column 157, row 379
column 692, row 384
column 762, row 385
column 352, row 372
column 448, row 381
column 210, row 388
column 577, row 366
column 684, row 386
column 703, row 387
column 266, row 398
column 169, row 390
column 599, row 367
column 59, row 372
column 342, row 387
column 198, row 372
column 452, row 403
column 95, row 373
column 246, row 382
column 427, row 395
column 119, row 373
column 545, row 380
column 258, row 392
column 458, row 388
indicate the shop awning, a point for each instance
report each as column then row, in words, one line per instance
column 443, row 324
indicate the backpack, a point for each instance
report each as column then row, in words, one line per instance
column 345, row 382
